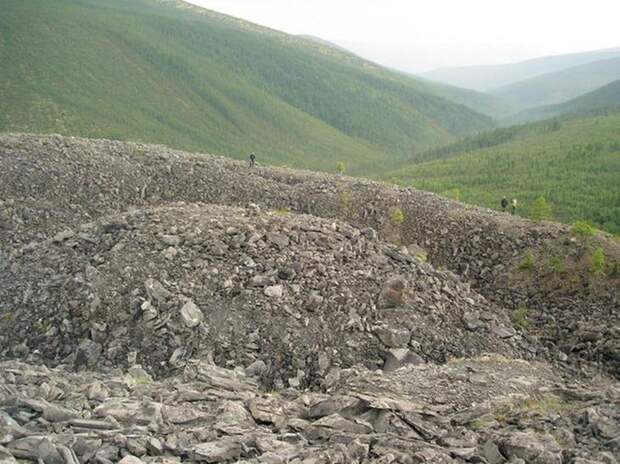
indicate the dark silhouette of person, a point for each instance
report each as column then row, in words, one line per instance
column 252, row 160
column 504, row 204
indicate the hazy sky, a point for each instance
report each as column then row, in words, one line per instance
column 418, row 35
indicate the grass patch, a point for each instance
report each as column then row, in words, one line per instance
column 541, row 405
column 557, row 264
column 284, row 211
column 520, row 317
column 527, row 263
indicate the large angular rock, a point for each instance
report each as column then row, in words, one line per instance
column 531, row 446
column 130, row 460
column 393, row 337
column 392, row 293
column 156, row 291
column 6, row 457
column 344, row 405
column 35, row 448
column 267, row 411
column 225, row 449
column 233, row 419
column 88, row 354
column 131, row 412
column 325, row 427
column 399, row 357
column 191, row 314
column 274, row 291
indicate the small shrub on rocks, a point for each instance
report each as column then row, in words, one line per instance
column 282, row 211
column 583, row 230
column 520, row 318
column 528, row 262
column 597, row 263
column 345, row 199
column 545, row 404
column 541, row 210
column 452, row 194
column 340, row 167
column 557, row 265
column 397, row 217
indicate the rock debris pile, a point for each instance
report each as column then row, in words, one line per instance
column 479, row 410
column 287, row 296
column 163, row 307
column 50, row 183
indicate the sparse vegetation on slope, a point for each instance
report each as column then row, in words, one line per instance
column 193, row 79
column 573, row 164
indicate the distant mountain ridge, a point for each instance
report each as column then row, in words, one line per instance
column 488, row 77
column 606, row 98
column 560, row 86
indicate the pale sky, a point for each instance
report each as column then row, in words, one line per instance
column 418, row 35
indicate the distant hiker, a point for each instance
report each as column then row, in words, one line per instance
column 513, row 205
column 252, row 160
column 504, row 204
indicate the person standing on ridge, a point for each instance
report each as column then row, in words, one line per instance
column 514, row 205
column 504, row 204
column 252, row 160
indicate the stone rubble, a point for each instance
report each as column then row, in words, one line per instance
column 50, row 186
column 454, row 413
column 120, row 302
column 163, row 307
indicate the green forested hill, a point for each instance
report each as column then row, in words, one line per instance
column 558, row 87
column 574, row 164
column 604, row 98
column 166, row 72
column 481, row 102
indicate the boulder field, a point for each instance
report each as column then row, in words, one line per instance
column 159, row 306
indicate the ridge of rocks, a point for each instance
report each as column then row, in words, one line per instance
column 51, row 183
column 210, row 414
column 162, row 307
column 293, row 294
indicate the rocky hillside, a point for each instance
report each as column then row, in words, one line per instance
column 293, row 294
column 172, row 307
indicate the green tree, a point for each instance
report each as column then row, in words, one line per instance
column 453, row 194
column 541, row 210
column 340, row 167
column 582, row 230
column 397, row 217
column 597, row 265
